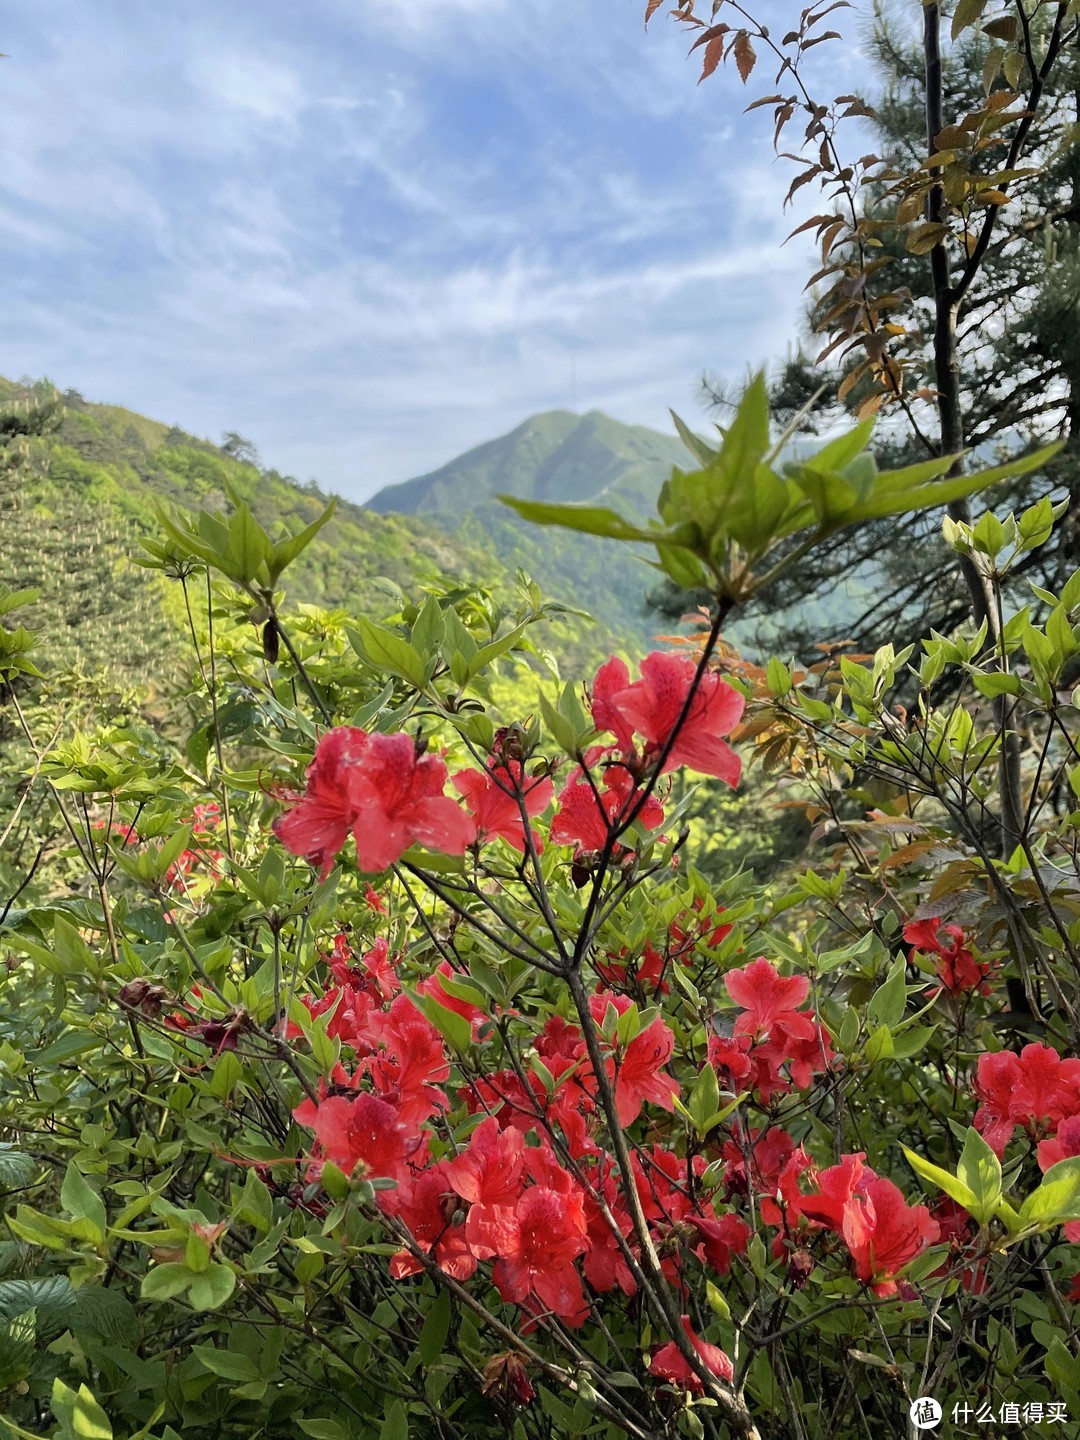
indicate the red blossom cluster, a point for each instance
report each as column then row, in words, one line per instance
column 202, row 854
column 379, row 789
column 956, row 967
column 770, row 1035
column 651, row 709
column 389, row 795
column 1038, row 1091
column 532, row 1189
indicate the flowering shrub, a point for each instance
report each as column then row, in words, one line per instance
column 389, row 1066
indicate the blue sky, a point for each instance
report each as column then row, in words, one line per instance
column 368, row 236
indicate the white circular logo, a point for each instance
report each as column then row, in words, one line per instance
column 925, row 1413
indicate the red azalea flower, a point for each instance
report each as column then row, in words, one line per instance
column 639, row 1075
column 536, row 1242
column 709, row 932
column 884, row 1233
column 728, row 1057
column 492, row 798
column 585, row 818
column 720, row 1239
column 957, row 969
column 827, row 1204
column 398, row 801
column 412, row 1064
column 489, row 1174
column 646, row 972
column 319, row 822
column 1035, row 1089
column 653, row 705
column 425, row 1205
column 431, row 985
column 364, row 1130
column 377, row 787
column 804, row 1055
column 612, row 679
column 668, row 1364
column 766, row 997
column 605, row 1264
column 378, row 970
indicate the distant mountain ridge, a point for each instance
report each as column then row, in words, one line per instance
column 555, row 456
column 561, row 457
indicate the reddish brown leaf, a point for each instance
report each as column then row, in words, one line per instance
column 800, row 181
column 710, row 34
column 713, row 51
column 651, row 9
column 745, row 58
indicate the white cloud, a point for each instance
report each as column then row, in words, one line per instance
column 230, row 223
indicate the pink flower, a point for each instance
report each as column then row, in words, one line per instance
column 653, row 706
column 586, row 817
column 319, row 824
column 536, row 1242
column 639, row 1075
column 398, row 801
column 380, row 789
column 492, row 798
column 766, row 998
column 1036, row 1088
column 364, row 1130
column 957, row 969
column 669, row 1364
column 884, row 1233
column 611, row 680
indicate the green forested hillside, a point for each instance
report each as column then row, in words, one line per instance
column 72, row 514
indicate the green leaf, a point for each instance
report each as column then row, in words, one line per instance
column 164, row 1282
column 384, row 650
column 227, row 1363
column 396, row 1424
column 886, row 1005
column 704, row 1098
column 995, row 682
column 212, row 1288
column 587, row 519
column 879, row 1045
column 323, row 1429
column 951, row 1184
column 435, row 1330
column 79, row 1415
column 1057, row 1200
column 980, row 1170
column 284, row 552
column 700, row 450
column 450, row 1025
column 82, row 1202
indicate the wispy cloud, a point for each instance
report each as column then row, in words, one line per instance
column 369, row 239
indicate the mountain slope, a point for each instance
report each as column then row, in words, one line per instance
column 556, row 456
column 71, row 525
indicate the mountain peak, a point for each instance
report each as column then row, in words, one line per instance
column 556, row 455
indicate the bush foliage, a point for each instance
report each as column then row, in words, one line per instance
column 381, row 1061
